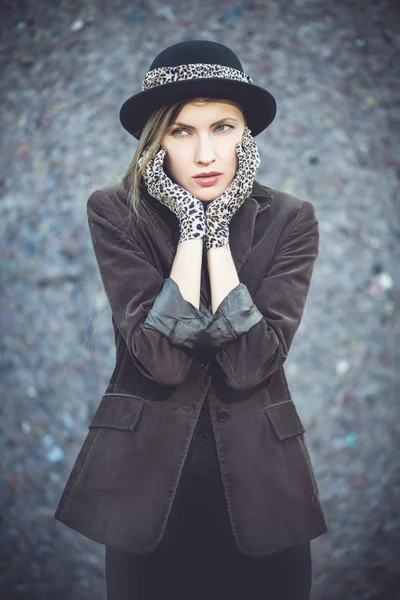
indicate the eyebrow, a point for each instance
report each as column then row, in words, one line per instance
column 212, row 124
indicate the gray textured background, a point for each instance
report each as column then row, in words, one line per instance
column 66, row 67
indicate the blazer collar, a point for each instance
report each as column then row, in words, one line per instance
column 241, row 227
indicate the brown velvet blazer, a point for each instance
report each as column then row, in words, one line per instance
column 170, row 355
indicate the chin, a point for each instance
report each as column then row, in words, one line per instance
column 209, row 193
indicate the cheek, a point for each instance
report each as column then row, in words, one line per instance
column 234, row 161
column 170, row 162
column 174, row 165
column 174, row 160
column 230, row 152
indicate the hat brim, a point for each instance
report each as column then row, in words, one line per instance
column 259, row 105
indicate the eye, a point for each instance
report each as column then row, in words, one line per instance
column 176, row 130
column 225, row 125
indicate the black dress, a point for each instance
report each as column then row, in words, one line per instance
column 197, row 557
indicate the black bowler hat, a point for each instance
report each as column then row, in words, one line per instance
column 193, row 69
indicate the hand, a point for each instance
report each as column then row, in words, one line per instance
column 188, row 209
column 221, row 210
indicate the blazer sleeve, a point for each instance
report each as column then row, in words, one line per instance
column 253, row 335
column 177, row 318
column 141, row 300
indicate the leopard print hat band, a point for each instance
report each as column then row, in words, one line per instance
column 184, row 72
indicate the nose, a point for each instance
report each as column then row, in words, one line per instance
column 205, row 153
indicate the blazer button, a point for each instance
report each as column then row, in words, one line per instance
column 223, row 415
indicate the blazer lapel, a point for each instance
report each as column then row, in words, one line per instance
column 166, row 229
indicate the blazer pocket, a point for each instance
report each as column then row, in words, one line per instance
column 285, row 419
column 118, row 411
column 286, row 423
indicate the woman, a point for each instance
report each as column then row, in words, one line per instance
column 195, row 474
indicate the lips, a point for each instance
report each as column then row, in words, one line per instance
column 210, row 174
column 207, row 181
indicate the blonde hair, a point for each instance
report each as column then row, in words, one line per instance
column 153, row 132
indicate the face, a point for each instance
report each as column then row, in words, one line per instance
column 202, row 139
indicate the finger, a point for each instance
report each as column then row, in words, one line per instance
column 242, row 156
column 148, row 173
column 157, row 164
column 159, row 160
column 251, row 151
column 240, row 151
column 248, row 141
